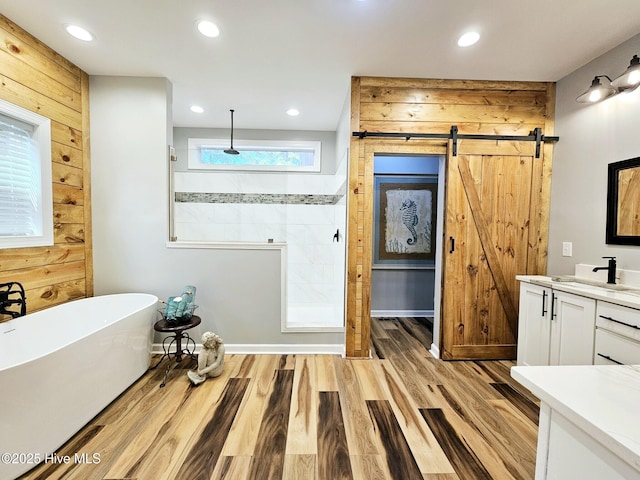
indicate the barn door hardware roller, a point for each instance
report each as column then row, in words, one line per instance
column 535, row 136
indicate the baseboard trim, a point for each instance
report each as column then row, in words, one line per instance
column 273, row 349
column 434, row 350
column 402, row 313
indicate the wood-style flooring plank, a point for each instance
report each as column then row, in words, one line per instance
column 130, row 398
column 419, row 328
column 464, row 461
column 300, row 467
column 371, row 467
column 112, row 441
column 378, row 350
column 76, row 444
column 377, row 330
column 518, row 400
column 527, row 431
column 485, row 431
column 428, row 454
column 287, row 362
column 302, row 434
column 246, row 365
column 232, row 468
column 333, row 451
column 358, row 427
column 388, row 323
column 473, row 437
column 500, row 372
column 201, row 459
column 406, row 369
column 167, row 452
column 515, row 455
column 398, row 455
column 326, row 374
column 268, row 457
column 442, row 476
column 244, row 431
column 368, row 377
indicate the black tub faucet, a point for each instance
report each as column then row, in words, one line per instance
column 611, row 270
column 12, row 294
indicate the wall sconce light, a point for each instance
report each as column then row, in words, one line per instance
column 598, row 91
column 626, row 82
column 630, row 79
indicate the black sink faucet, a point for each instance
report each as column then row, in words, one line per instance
column 611, row 274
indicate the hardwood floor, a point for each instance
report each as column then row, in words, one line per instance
column 401, row 415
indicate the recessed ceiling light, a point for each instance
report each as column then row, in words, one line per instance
column 292, row 112
column 208, row 29
column 79, row 33
column 468, row 39
column 197, row 109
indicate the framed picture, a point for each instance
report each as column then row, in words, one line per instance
column 405, row 221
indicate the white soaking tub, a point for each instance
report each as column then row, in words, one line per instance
column 61, row 366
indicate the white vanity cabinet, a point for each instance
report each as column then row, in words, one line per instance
column 617, row 338
column 572, row 329
column 588, row 428
column 534, row 327
column 555, row 328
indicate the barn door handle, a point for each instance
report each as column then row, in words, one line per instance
column 453, row 244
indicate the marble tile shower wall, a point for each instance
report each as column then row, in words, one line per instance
column 250, row 207
column 303, row 210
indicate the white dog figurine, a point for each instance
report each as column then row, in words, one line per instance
column 210, row 359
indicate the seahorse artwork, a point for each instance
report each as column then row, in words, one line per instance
column 410, row 219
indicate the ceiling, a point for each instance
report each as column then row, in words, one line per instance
column 272, row 55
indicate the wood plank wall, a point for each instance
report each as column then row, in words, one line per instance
column 35, row 77
column 427, row 106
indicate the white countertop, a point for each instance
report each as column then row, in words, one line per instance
column 602, row 400
column 630, row 298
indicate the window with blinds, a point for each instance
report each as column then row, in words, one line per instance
column 26, row 217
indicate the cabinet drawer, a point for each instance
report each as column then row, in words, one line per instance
column 622, row 320
column 611, row 348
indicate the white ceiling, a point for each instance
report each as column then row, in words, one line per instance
column 277, row 54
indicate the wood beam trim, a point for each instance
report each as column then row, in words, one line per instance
column 451, row 84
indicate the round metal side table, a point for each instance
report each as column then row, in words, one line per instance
column 179, row 333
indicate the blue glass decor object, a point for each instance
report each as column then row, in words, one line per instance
column 180, row 308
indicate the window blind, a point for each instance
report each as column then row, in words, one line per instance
column 19, row 180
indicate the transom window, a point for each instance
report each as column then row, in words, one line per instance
column 262, row 155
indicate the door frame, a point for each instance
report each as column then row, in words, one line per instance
column 360, row 233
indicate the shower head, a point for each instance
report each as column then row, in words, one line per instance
column 231, row 150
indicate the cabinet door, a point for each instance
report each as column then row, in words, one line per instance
column 534, row 325
column 572, row 330
column 573, row 454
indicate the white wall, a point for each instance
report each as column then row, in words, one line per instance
column 591, row 137
column 238, row 290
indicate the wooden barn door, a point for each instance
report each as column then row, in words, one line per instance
column 492, row 230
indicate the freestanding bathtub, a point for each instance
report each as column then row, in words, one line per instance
column 61, row 366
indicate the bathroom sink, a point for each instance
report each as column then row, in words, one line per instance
column 595, row 285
